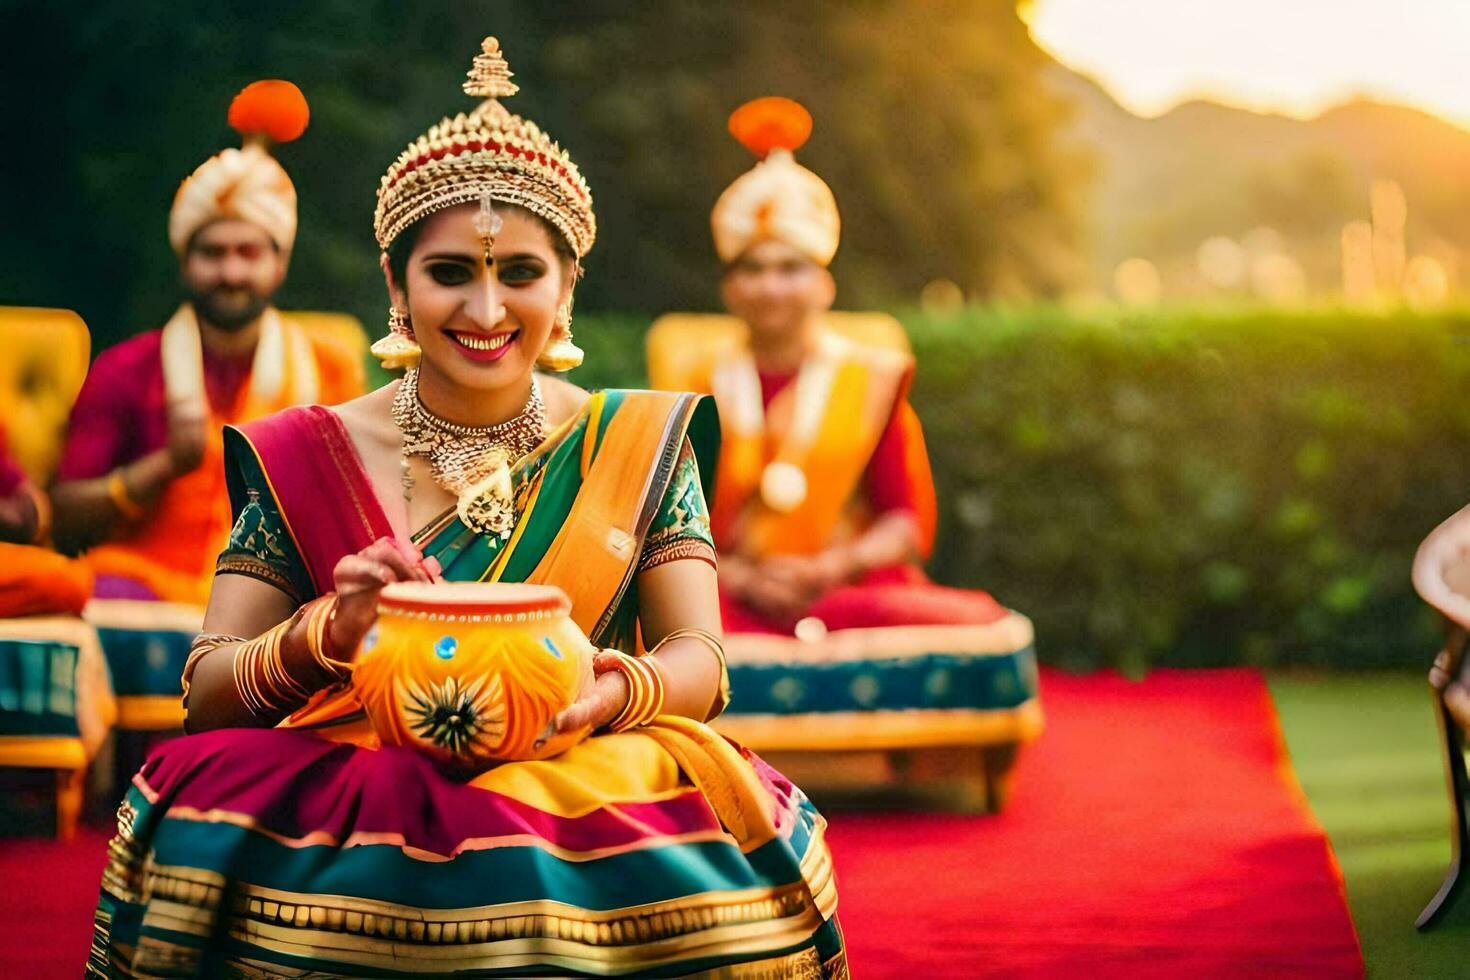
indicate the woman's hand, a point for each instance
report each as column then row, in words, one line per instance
column 601, row 702
column 359, row 578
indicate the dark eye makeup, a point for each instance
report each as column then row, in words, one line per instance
column 450, row 273
column 457, row 269
column 521, row 271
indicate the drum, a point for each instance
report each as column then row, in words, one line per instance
column 472, row 674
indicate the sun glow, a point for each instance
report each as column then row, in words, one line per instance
column 1295, row 57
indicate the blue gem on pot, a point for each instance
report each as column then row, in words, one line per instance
column 552, row 647
column 446, row 648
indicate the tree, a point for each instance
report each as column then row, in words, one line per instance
column 931, row 126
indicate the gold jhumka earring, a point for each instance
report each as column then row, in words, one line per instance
column 561, row 354
column 398, row 349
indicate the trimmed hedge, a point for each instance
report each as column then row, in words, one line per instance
column 1178, row 488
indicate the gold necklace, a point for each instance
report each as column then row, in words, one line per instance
column 470, row 462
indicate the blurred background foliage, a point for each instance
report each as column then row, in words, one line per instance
column 115, row 103
column 1185, row 488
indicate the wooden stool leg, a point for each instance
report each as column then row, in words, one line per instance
column 999, row 760
column 1452, row 745
column 70, row 785
column 972, row 790
column 950, row 777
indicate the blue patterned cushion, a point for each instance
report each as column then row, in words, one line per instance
column 145, row 662
column 929, row 681
column 38, row 693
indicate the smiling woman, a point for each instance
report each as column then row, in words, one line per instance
column 499, row 312
column 296, row 841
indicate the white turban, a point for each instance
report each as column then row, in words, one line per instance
column 247, row 184
column 780, row 199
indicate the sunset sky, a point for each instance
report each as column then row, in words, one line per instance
column 1290, row 56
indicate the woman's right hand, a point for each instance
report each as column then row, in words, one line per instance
column 359, row 578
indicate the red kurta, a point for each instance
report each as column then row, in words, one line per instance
column 121, row 415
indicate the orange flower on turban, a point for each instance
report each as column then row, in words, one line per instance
column 779, row 198
column 247, row 183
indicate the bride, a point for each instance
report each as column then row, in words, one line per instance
column 279, row 838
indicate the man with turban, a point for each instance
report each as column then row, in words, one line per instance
column 824, row 506
column 141, row 485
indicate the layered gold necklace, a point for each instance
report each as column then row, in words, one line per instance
column 471, row 462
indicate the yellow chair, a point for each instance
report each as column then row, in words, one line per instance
column 343, row 334
column 43, row 724
column 679, row 344
column 46, row 358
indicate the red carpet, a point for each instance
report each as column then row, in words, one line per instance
column 1153, row 832
column 47, row 891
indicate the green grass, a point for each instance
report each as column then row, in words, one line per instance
column 1366, row 751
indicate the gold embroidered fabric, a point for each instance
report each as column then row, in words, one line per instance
column 489, row 151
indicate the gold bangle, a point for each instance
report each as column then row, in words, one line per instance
column 262, row 681
column 645, row 693
column 280, row 681
column 117, row 492
column 319, row 640
column 636, row 687
column 711, row 640
column 643, row 700
column 242, row 666
column 204, row 644
column 706, row 637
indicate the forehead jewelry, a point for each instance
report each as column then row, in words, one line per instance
column 487, row 225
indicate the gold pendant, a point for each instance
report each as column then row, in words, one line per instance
column 783, row 487
column 487, row 506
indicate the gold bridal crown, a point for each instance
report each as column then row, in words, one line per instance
column 490, row 152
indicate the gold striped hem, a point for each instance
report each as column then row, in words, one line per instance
column 818, row 872
column 160, row 954
column 383, row 935
column 235, row 564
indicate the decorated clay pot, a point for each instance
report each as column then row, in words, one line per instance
column 472, row 674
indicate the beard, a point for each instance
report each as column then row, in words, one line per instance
column 229, row 308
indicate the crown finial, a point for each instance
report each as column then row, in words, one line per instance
column 489, row 76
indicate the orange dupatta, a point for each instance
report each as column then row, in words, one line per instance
column 172, row 550
column 862, row 385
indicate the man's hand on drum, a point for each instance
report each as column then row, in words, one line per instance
column 359, row 578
